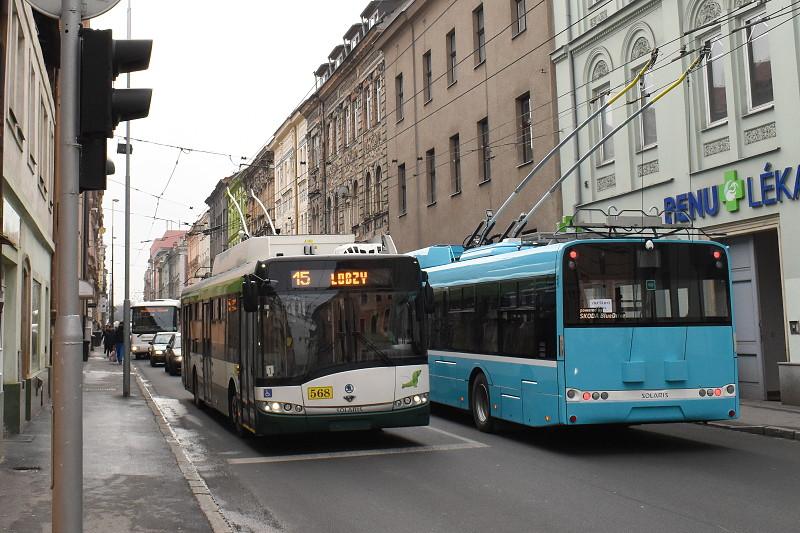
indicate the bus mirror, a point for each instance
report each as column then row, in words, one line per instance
column 266, row 289
column 250, row 294
column 429, row 299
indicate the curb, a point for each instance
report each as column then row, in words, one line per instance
column 196, row 482
column 769, row 431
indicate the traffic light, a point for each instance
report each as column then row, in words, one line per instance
column 101, row 106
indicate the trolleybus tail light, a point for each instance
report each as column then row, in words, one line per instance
column 702, row 393
column 604, row 395
column 571, row 393
column 731, row 413
column 573, row 419
column 573, row 254
column 717, row 254
column 587, row 395
column 731, row 389
column 717, row 392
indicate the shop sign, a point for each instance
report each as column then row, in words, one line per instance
column 769, row 188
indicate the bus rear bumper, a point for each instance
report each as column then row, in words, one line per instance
column 270, row 424
column 644, row 412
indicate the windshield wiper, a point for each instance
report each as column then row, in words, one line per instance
column 380, row 353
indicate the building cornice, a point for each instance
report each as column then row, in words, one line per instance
column 619, row 20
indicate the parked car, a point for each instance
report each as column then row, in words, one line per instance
column 174, row 356
column 158, row 347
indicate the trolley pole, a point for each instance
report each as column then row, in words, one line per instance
column 67, row 504
column 126, row 308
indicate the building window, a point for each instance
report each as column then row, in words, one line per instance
column 356, row 212
column 369, row 107
column 401, row 187
column 525, row 128
column 479, row 35
column 646, row 136
column 347, row 124
column 716, row 92
column 399, row 98
column 378, row 192
column 451, row 57
column 606, row 124
column 518, row 15
column 378, row 89
column 759, row 66
column 367, row 195
column 358, row 114
column 455, row 164
column 430, row 165
column 427, row 76
column 484, row 151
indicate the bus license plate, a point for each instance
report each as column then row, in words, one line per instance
column 320, row 393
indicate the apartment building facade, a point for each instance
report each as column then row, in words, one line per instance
column 289, row 145
column 470, row 109
column 28, row 164
column 347, row 133
column 198, row 251
column 718, row 151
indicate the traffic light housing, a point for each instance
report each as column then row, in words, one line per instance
column 101, row 106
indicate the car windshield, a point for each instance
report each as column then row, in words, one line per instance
column 177, row 343
column 312, row 332
column 162, row 338
column 626, row 284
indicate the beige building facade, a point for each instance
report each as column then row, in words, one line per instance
column 470, row 108
column 289, row 146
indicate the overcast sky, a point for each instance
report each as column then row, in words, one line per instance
column 224, row 76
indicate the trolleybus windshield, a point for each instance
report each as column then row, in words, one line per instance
column 626, row 284
column 332, row 324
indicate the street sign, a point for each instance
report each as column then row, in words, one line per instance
column 89, row 8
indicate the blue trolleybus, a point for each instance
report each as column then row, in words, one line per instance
column 589, row 331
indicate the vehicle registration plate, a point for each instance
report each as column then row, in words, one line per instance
column 320, row 393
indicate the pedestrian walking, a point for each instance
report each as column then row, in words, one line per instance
column 109, row 341
column 119, row 339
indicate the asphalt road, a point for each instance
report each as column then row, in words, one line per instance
column 450, row 477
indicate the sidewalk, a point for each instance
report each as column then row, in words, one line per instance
column 132, row 481
column 766, row 418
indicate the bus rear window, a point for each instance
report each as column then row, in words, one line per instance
column 625, row 284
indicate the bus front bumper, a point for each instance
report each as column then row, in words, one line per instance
column 274, row 424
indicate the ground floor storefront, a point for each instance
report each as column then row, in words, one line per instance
column 753, row 206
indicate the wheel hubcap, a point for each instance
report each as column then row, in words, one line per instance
column 482, row 404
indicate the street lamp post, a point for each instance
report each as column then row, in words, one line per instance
column 113, row 210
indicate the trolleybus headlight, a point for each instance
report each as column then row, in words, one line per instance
column 417, row 399
column 730, row 389
column 298, row 408
column 398, row 403
column 275, row 406
column 287, row 407
column 407, row 401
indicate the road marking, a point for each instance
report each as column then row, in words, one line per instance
column 356, row 453
column 458, row 437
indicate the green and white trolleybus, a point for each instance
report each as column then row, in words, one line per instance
column 309, row 333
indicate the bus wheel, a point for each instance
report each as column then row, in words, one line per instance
column 482, row 405
column 195, row 394
column 234, row 413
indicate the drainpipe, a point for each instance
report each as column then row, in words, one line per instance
column 576, row 145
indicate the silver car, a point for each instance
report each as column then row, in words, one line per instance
column 158, row 347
